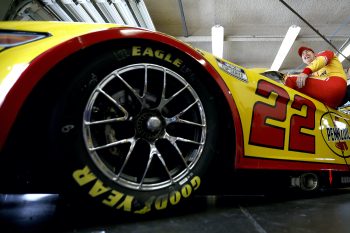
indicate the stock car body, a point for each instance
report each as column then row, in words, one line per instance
column 135, row 120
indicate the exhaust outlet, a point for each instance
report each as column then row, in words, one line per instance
column 306, row 181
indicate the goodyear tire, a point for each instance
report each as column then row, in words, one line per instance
column 137, row 127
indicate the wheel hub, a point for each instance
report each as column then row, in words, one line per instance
column 149, row 125
column 154, row 124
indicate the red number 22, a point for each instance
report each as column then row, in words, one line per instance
column 267, row 135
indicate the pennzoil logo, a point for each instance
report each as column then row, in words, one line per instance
column 335, row 132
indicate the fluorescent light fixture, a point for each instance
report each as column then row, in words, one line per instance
column 109, row 12
column 137, row 13
column 77, row 11
column 125, row 12
column 287, row 43
column 141, row 13
column 346, row 53
column 91, row 10
column 217, row 40
column 56, row 9
column 145, row 15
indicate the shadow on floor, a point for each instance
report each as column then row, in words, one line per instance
column 274, row 212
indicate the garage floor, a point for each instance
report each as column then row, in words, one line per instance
column 283, row 212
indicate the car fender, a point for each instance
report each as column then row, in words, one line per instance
column 31, row 69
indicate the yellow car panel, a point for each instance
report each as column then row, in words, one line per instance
column 56, row 36
column 292, row 132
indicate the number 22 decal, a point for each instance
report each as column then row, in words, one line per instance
column 267, row 135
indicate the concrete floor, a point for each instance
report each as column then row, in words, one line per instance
column 284, row 212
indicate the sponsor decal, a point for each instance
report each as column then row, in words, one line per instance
column 116, row 199
column 277, row 138
column 232, row 70
column 335, row 132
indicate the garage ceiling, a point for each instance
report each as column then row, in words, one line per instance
column 254, row 29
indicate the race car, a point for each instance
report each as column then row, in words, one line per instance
column 135, row 120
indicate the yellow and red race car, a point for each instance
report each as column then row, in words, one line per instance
column 133, row 119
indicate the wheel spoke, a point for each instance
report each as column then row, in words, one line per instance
column 154, row 151
column 146, row 169
column 128, row 140
column 145, row 84
column 132, row 146
column 190, row 122
column 160, row 157
column 138, row 97
column 104, row 121
column 120, row 107
column 188, row 141
column 173, row 142
column 177, row 118
column 186, row 109
column 164, row 101
column 173, row 139
column 177, row 93
column 164, row 84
